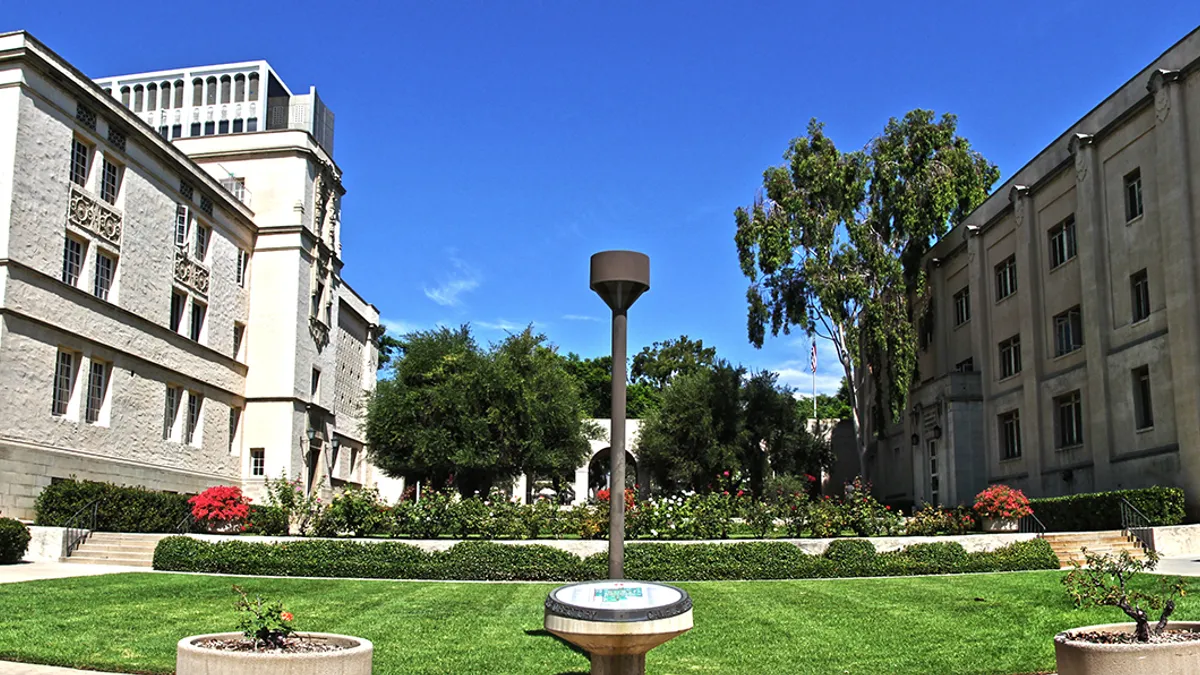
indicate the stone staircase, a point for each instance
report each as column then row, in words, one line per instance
column 1067, row 545
column 113, row 548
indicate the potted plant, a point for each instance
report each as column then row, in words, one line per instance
column 268, row 645
column 221, row 509
column 1001, row 508
column 1138, row 648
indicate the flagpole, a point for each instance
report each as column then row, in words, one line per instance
column 814, row 380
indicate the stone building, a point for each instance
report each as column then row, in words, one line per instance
column 1060, row 349
column 172, row 310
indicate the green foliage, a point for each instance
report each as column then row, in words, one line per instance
column 479, row 560
column 759, row 516
column 826, row 518
column 593, row 379
column 1104, row 580
column 430, row 517
column 267, row 520
column 835, row 245
column 14, row 541
column 865, row 515
column 456, row 413
column 120, row 508
column 301, row 509
column 357, row 511
column 264, row 623
column 933, row 520
column 1102, row 510
column 661, row 362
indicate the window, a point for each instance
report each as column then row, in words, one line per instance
column 238, row 126
column 258, row 462
column 1006, row 278
column 81, row 154
column 106, row 268
column 243, row 267
column 223, row 127
column 195, row 401
column 64, row 383
column 210, row 91
column 176, row 130
column 925, row 326
column 252, row 124
column 1062, row 242
column 1010, row 435
column 197, row 92
column 1010, row 356
column 316, row 299
column 195, row 129
column 183, row 217
column 1143, row 409
column 1070, row 420
column 1133, row 195
column 97, row 391
column 203, row 233
column 962, row 306
column 235, row 418
column 174, row 397
column 239, row 333
column 210, row 128
column 199, row 309
column 1139, row 290
column 967, row 365
column 72, row 261
column 178, row 304
column 1068, row 331
column 316, row 383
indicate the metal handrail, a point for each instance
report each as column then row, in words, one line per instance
column 185, row 524
column 1030, row 524
column 1137, row 524
column 76, row 533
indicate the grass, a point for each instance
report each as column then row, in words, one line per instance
column 958, row 625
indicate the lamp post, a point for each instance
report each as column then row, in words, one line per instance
column 619, row 278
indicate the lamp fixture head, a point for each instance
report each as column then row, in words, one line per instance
column 312, row 434
column 620, row 277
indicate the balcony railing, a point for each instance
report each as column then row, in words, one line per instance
column 237, row 186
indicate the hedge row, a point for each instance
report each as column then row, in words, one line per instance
column 121, row 508
column 1102, row 510
column 489, row 561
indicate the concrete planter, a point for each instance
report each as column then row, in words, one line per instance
column 1085, row 658
column 354, row 660
column 1000, row 524
column 234, row 526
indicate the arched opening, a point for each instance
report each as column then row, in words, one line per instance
column 165, row 88
column 178, row 93
column 210, row 95
column 253, row 86
column 599, row 470
column 125, row 96
column 197, row 91
column 226, row 88
column 239, row 88
column 138, row 95
column 151, row 96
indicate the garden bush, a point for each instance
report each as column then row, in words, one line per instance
column 267, row 520
column 1102, row 510
column 14, row 540
column 481, row 560
column 357, row 511
column 933, row 520
column 120, row 508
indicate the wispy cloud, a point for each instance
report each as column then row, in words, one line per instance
column 500, row 324
column 797, row 373
column 397, row 327
column 462, row 279
column 579, row 317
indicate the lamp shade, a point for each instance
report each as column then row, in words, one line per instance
column 620, row 277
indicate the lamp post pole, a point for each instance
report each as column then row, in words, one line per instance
column 619, row 278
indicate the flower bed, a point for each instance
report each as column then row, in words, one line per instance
column 490, row 561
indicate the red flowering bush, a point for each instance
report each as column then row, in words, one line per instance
column 602, row 496
column 220, row 503
column 1002, row 501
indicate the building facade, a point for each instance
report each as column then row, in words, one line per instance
column 172, row 310
column 1060, row 344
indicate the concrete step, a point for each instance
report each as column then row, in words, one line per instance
column 117, row 548
column 77, row 559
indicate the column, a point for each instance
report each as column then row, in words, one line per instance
column 981, row 333
column 520, row 489
column 1091, row 229
column 943, row 320
column 1033, row 330
column 581, row 485
column 1173, row 201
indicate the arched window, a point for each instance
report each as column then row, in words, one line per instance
column 197, row 91
column 253, row 86
column 165, row 88
column 210, row 94
column 178, row 93
column 226, row 87
column 108, row 90
column 239, row 88
column 151, row 96
column 138, row 95
column 125, row 96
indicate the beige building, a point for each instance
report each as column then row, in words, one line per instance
column 1061, row 346
column 172, row 310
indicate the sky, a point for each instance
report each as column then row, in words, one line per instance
column 489, row 147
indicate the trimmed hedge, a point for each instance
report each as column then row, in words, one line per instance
column 14, row 541
column 121, row 508
column 489, row 561
column 1102, row 510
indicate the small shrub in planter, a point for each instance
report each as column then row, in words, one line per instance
column 14, row 541
column 265, row 624
column 1002, row 503
column 223, row 508
column 1104, row 581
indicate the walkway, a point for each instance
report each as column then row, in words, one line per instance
column 1183, row 566
column 13, row 668
column 32, row 571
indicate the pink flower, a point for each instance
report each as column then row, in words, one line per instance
column 286, row 616
column 726, row 473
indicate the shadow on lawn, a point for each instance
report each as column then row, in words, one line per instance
column 542, row 633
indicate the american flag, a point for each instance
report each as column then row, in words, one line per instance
column 814, row 357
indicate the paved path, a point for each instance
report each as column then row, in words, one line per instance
column 1183, row 566
column 12, row 668
column 32, row 571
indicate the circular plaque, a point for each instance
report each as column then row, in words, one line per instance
column 618, row 600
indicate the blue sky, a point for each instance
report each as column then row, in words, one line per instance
column 490, row 147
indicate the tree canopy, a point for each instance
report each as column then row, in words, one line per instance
column 834, row 247
column 658, row 363
column 593, row 378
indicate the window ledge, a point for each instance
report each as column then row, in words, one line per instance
column 1144, row 430
column 1010, row 460
column 1063, row 264
column 960, row 325
column 1010, row 295
column 1009, row 377
column 1136, row 219
column 1140, row 321
column 1066, row 354
column 1069, row 447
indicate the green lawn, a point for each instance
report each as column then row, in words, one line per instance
column 987, row 623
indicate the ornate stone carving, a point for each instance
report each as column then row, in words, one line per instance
column 325, row 203
column 1076, row 146
column 190, row 273
column 319, row 332
column 1017, row 196
column 1159, row 80
column 94, row 216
